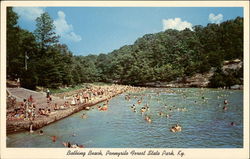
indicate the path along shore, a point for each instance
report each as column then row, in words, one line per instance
column 19, row 120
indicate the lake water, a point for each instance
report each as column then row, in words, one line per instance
column 204, row 125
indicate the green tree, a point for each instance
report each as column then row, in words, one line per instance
column 12, row 43
column 45, row 31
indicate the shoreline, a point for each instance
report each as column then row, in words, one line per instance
column 15, row 126
column 181, row 85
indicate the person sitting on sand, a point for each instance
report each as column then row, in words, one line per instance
column 40, row 111
column 77, row 98
column 62, row 107
column 66, row 104
column 86, row 97
column 73, row 102
column 49, row 99
column 56, row 107
column 48, row 112
column 30, row 99
column 43, row 112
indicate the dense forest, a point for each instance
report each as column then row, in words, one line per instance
column 38, row 59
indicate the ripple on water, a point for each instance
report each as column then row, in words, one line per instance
column 204, row 124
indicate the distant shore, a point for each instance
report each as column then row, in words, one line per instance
column 185, row 85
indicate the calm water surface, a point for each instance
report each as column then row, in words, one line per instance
column 204, row 125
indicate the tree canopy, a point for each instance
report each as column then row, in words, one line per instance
column 164, row 56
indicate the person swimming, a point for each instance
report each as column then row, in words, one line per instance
column 225, row 107
column 87, row 108
column 139, row 102
column 67, row 144
column 134, row 110
column 148, row 119
column 41, row 132
column 133, row 106
column 103, row 108
column 143, row 109
column 53, row 138
column 84, row 116
column 225, row 101
column 176, row 128
column 160, row 113
column 168, row 115
column 233, row 124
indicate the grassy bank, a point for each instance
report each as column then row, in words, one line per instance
column 76, row 87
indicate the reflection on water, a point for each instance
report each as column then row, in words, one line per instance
column 204, row 123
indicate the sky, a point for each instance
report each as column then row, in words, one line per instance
column 95, row 30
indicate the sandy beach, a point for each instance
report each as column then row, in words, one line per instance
column 55, row 108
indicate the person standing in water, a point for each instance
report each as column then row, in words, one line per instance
column 225, row 101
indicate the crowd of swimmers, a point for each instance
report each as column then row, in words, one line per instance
column 145, row 108
column 28, row 106
column 170, row 109
column 55, row 139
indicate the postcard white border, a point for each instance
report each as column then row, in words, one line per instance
column 31, row 153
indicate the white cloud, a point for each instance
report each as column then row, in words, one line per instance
column 175, row 23
column 73, row 37
column 64, row 29
column 29, row 13
column 215, row 18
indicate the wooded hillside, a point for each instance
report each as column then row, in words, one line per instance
column 164, row 56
